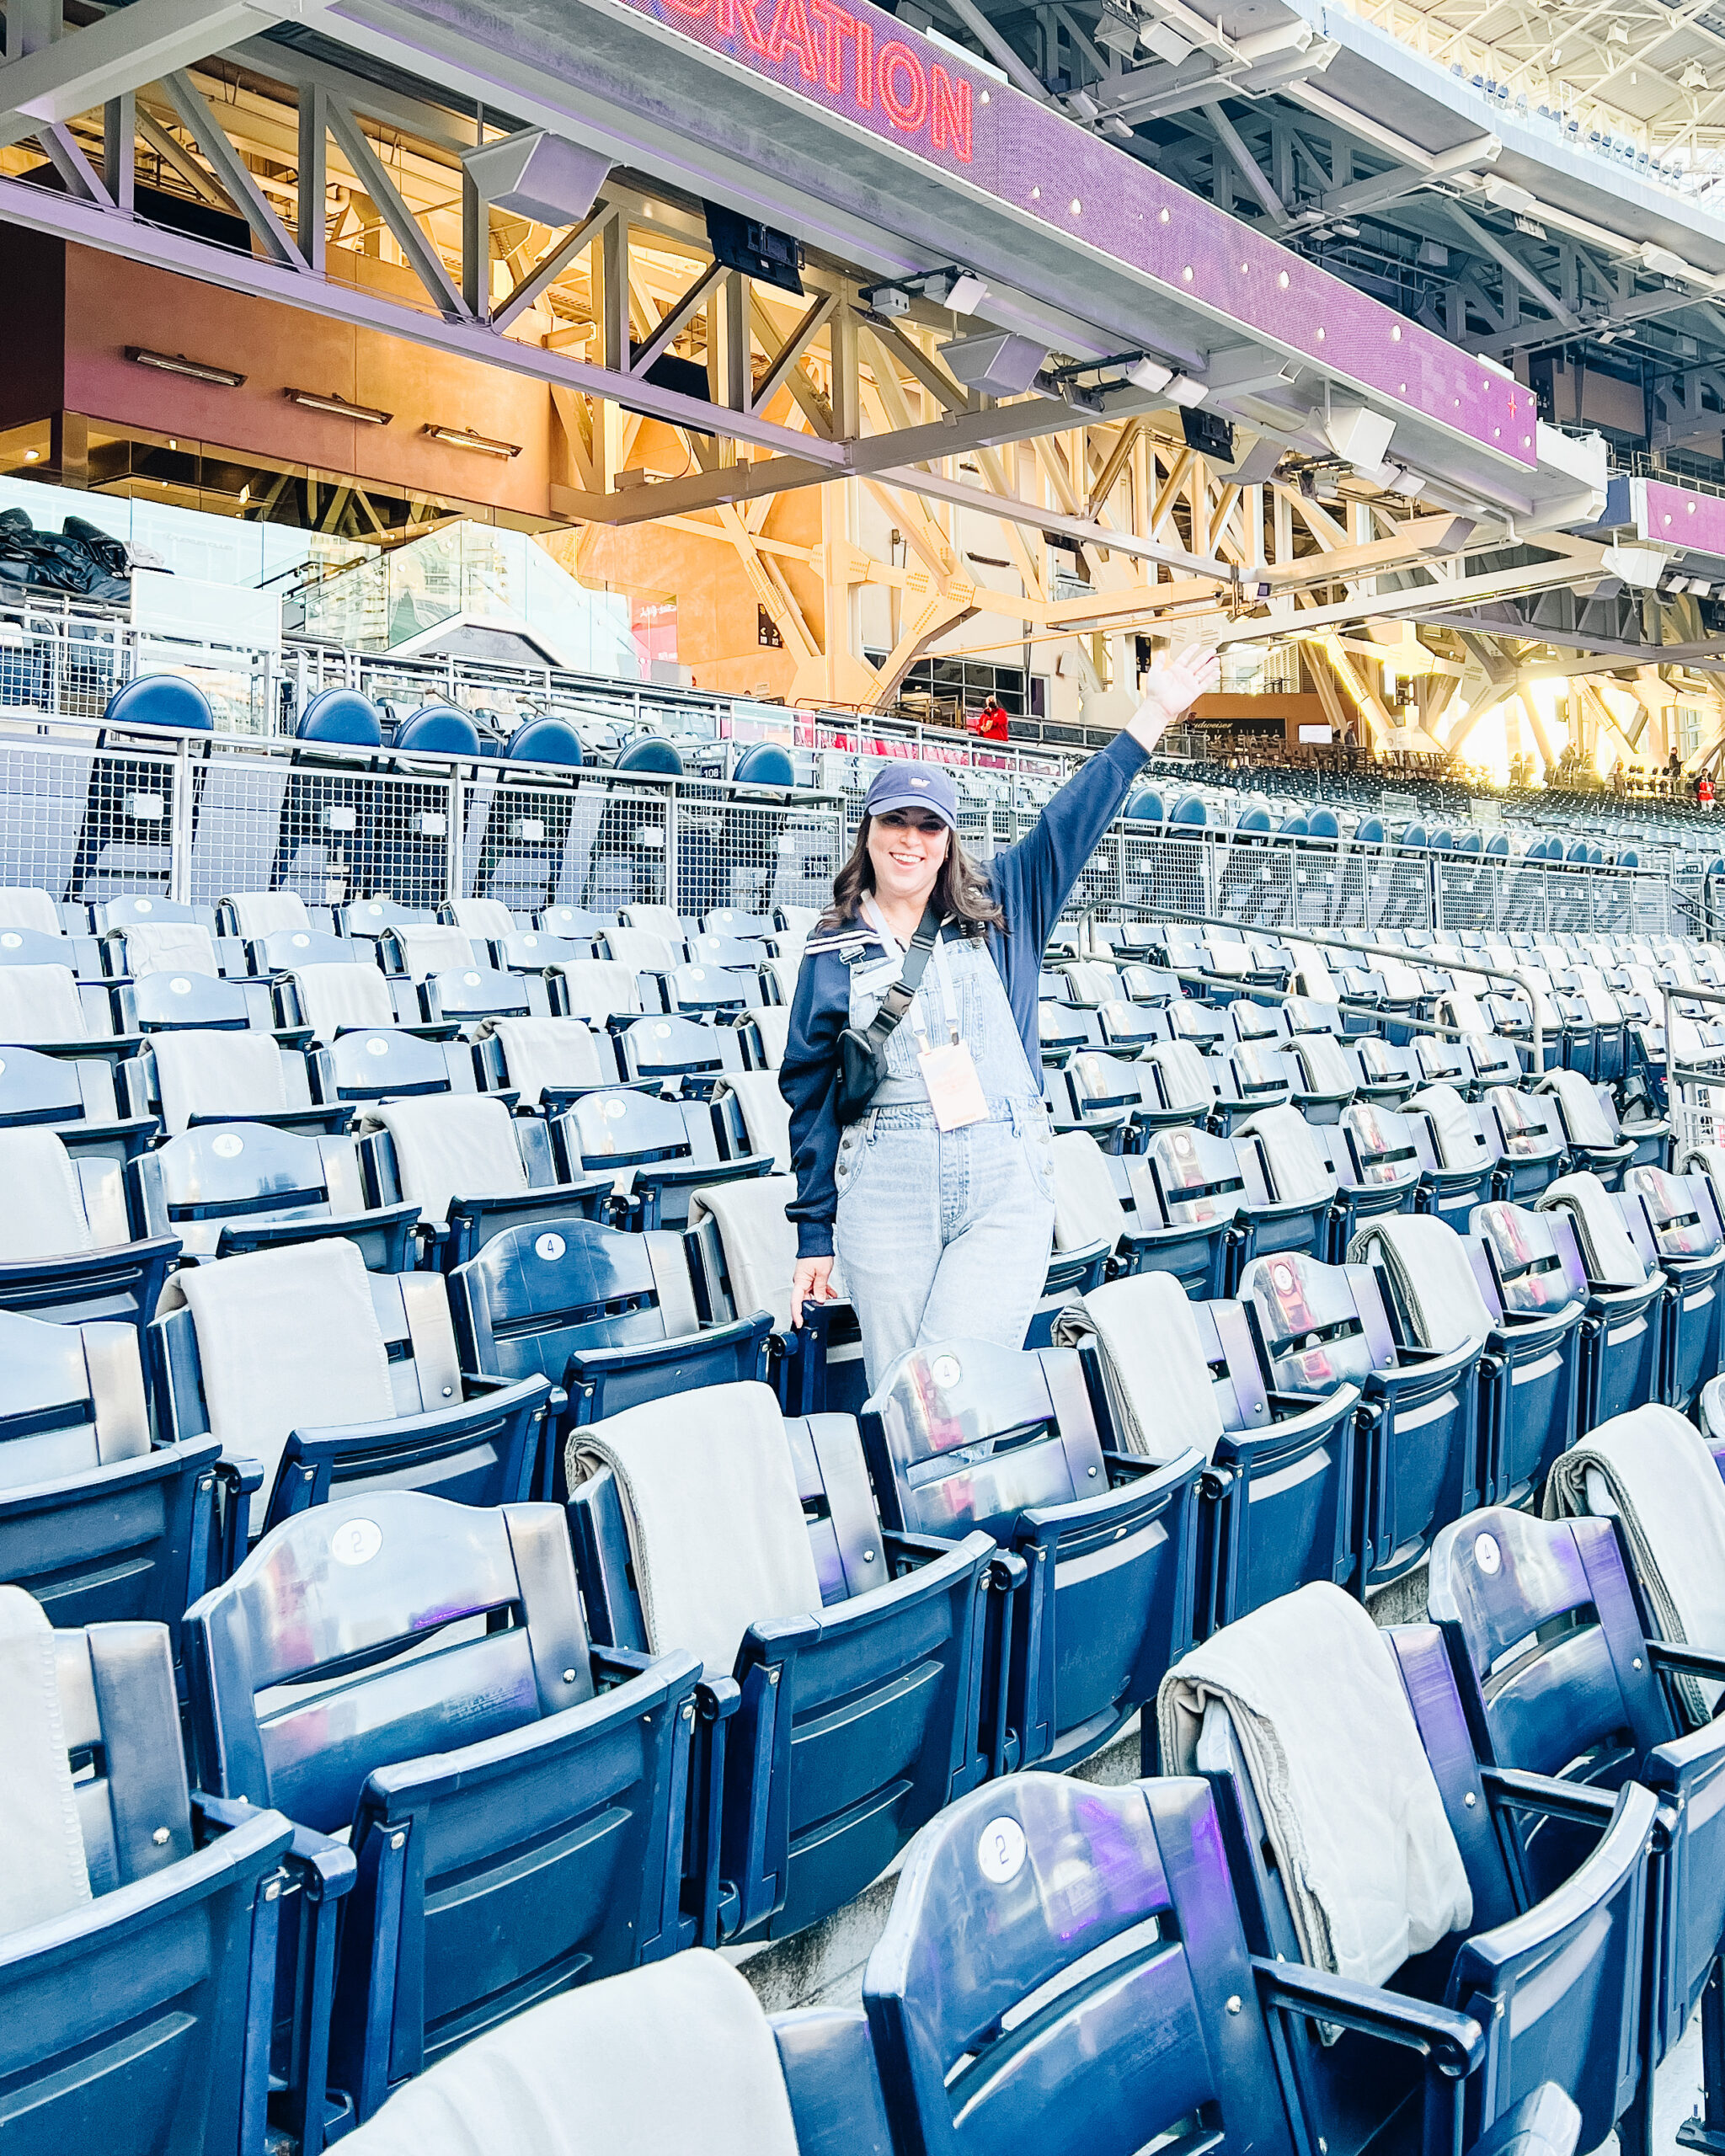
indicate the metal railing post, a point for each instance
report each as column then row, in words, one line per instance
column 454, row 875
column 671, row 837
column 179, row 827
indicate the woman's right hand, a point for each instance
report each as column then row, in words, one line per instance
column 811, row 1282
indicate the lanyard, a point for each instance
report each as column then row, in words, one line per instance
column 943, row 966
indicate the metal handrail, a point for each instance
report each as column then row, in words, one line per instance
column 1696, row 995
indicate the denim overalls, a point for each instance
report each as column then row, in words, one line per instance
column 944, row 1235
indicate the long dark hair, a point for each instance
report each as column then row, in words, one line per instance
column 962, row 892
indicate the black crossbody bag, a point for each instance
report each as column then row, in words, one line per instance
column 862, row 1052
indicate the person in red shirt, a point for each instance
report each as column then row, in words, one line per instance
column 1704, row 791
column 991, row 721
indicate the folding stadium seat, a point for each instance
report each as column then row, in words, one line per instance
column 71, row 1246
column 1532, row 1147
column 1598, row 1143
column 1387, row 1075
column 573, row 922
column 532, row 951
column 1117, row 1099
column 1320, row 1327
column 1585, row 1693
column 138, row 1940
column 651, row 1154
column 1265, row 1023
column 1089, row 983
column 241, row 1186
column 1355, row 1863
column 1188, row 1192
column 847, row 1662
column 1379, row 1170
column 350, row 1382
column 722, row 993
column 484, row 920
column 1186, row 1084
column 1511, row 1286
column 386, row 1062
column 645, row 951
column 1290, row 1181
column 754, row 1119
column 201, row 1076
column 515, row 1797
column 192, row 1002
column 988, row 2037
column 75, row 1098
column 155, row 935
column 1153, row 984
column 1606, row 1015
column 99, row 1521
column 1458, row 1153
column 671, row 1047
column 543, row 1064
column 1127, row 1028
column 596, row 990
column 472, row 1169
column 1622, row 1360
column 1063, row 1029
column 770, row 1028
column 451, row 983
column 252, row 916
column 963, row 1434
column 371, row 918
column 587, row 2069
column 1250, row 1075
column 1168, row 1375
column 1091, row 1219
column 1689, row 1241
column 1327, row 1076
column 609, row 1318
column 1201, row 1024
column 1494, row 1062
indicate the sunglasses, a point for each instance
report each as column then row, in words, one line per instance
column 896, row 819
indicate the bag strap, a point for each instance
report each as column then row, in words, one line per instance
column 898, row 998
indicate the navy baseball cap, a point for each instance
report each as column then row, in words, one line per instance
column 914, row 785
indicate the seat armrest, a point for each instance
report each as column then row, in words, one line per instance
column 1454, row 2043
column 708, row 1904
column 238, row 1479
column 1559, row 1800
column 1691, row 1662
column 320, row 1872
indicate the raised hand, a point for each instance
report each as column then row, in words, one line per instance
column 1177, row 680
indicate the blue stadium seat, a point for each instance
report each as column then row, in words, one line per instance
column 1623, row 1354
column 963, row 1435
column 161, row 699
column 175, row 1942
column 765, row 764
column 671, row 1147
column 75, row 1097
column 1322, row 823
column 390, row 1063
column 1532, row 1151
column 1145, row 806
column 673, row 1046
column 1688, row 1242
column 343, row 717
column 1370, row 831
column 651, row 752
column 72, row 1245
column 1587, row 1697
column 455, row 1753
column 98, row 1521
column 1553, row 1985
column 1189, row 813
column 229, row 1187
column 473, row 1170
column 848, row 1712
column 546, row 741
column 439, row 730
column 989, row 2039
column 610, row 1318
column 1420, row 1408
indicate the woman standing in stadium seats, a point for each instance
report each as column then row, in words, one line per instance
column 939, row 1195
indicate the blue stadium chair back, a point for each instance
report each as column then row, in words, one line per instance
column 1189, row 811
column 450, row 1756
column 672, row 1147
column 285, row 950
column 120, row 1274
column 1558, row 1677
column 857, row 1723
column 176, row 1949
column 74, row 1097
column 1005, row 1894
column 1369, row 831
column 1688, row 1240
column 1412, row 837
column 765, row 764
column 546, row 741
column 1554, row 1986
column 386, row 1064
column 1254, row 821
column 1322, row 824
column 652, row 752
column 1498, row 845
column 161, row 699
column 1377, row 1171
column 175, row 1002
column 439, row 730
column 1442, row 842
column 607, row 1315
column 967, row 1435
column 1293, row 827
column 673, row 1046
column 1145, row 806
column 343, row 717
column 1319, row 1327
column 228, row 1188
column 100, row 1523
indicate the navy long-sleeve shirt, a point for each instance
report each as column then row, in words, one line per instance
column 1032, row 882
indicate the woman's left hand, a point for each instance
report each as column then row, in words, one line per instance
column 1177, row 680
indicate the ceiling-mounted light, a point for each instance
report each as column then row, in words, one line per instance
column 1183, row 391
column 465, row 438
column 961, row 290
column 1694, row 77
column 314, row 401
column 177, row 363
column 1616, row 34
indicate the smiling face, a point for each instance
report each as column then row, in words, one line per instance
column 906, row 847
